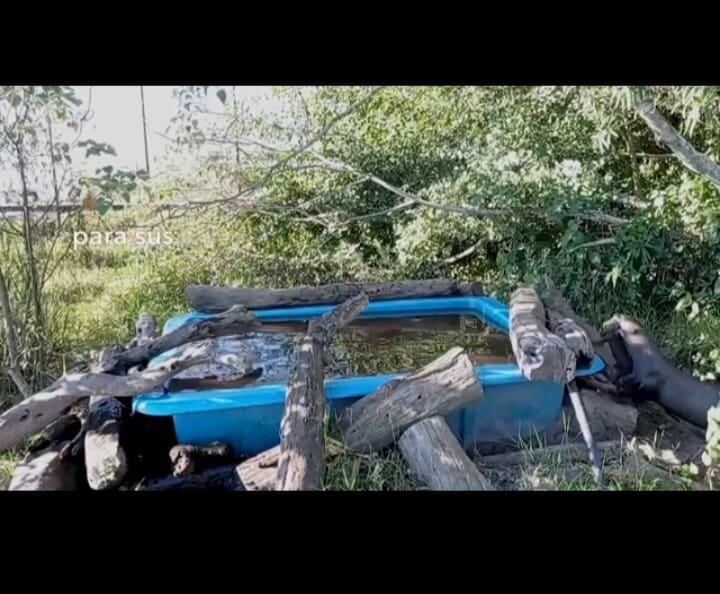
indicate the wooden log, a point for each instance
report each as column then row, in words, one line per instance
column 554, row 300
column 301, row 431
column 47, row 471
column 436, row 457
column 63, row 429
column 35, row 413
column 221, row 478
column 572, row 333
column 236, row 320
column 106, row 462
column 192, row 459
column 207, row 298
column 259, row 473
column 540, row 355
column 444, row 385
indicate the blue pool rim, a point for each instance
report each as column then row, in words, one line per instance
column 493, row 312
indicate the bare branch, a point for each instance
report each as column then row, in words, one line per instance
column 597, row 242
column 465, row 253
column 687, row 154
column 36, row 412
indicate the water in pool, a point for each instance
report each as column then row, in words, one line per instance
column 367, row 347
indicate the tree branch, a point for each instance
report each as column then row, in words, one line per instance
column 36, row 412
column 693, row 159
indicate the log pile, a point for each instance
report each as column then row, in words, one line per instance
column 89, row 440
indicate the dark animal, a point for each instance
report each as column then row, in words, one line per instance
column 645, row 373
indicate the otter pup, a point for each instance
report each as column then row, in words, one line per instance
column 646, row 373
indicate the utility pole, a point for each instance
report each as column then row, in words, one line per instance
column 147, row 157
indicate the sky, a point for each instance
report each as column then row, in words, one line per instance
column 116, row 119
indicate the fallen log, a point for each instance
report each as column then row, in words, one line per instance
column 435, row 456
column 46, row 470
column 62, row 429
column 208, row 298
column 301, row 431
column 554, row 300
column 259, row 473
column 33, row 414
column 444, row 385
column 572, row 333
column 236, row 320
column 191, row 459
column 540, row 355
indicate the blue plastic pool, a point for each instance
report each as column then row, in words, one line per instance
column 249, row 418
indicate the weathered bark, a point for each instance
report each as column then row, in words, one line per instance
column 259, row 473
column 236, row 320
column 106, row 462
column 222, row 478
column 46, row 471
column 572, row 333
column 681, row 148
column 301, row 431
column 191, row 459
column 207, row 298
column 63, row 429
column 33, row 414
column 540, row 355
column 442, row 386
column 436, row 457
column 11, row 340
column 555, row 301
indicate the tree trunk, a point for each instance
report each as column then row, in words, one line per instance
column 436, row 457
column 33, row 414
column 29, row 249
column 206, row 298
column 11, row 340
column 540, row 355
column 439, row 388
column 259, row 473
column 301, row 461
